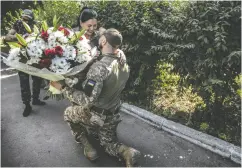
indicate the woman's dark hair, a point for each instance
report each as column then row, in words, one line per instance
column 86, row 14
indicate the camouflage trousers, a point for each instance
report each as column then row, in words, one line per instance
column 83, row 122
column 25, row 87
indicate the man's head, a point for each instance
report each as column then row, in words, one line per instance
column 110, row 38
column 27, row 15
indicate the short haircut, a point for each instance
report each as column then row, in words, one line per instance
column 113, row 37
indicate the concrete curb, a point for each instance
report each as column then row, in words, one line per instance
column 203, row 140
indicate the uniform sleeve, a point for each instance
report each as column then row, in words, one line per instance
column 92, row 86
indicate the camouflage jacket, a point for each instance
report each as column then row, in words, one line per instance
column 103, row 85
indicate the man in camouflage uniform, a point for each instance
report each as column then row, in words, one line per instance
column 97, row 106
column 19, row 28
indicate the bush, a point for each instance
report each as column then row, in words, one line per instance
column 171, row 100
column 68, row 11
column 202, row 42
column 207, row 53
column 204, row 127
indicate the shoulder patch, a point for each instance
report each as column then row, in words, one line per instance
column 89, row 87
column 91, row 82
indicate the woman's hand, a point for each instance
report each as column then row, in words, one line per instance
column 98, row 53
column 122, row 57
column 57, row 85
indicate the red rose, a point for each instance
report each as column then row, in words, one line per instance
column 49, row 52
column 45, row 63
column 66, row 32
column 60, row 28
column 58, row 50
column 44, row 35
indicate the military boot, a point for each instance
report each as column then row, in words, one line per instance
column 38, row 102
column 27, row 110
column 89, row 151
column 130, row 155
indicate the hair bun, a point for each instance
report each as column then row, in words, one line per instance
column 87, row 13
column 85, row 7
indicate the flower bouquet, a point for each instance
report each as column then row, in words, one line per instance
column 51, row 53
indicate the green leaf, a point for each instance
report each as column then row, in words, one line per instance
column 14, row 44
column 26, row 26
column 82, row 32
column 218, row 45
column 224, row 48
column 200, row 37
column 44, row 26
column 77, row 36
column 56, row 23
column 205, row 40
column 68, row 26
column 21, row 40
column 36, row 30
column 215, row 81
column 209, row 51
column 236, row 54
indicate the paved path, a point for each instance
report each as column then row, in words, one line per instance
column 44, row 139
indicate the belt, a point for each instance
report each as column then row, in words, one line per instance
column 103, row 111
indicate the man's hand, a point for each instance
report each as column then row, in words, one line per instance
column 57, row 85
column 71, row 82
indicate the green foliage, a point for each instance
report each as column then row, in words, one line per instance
column 204, row 126
column 212, row 64
column 207, row 52
column 238, row 81
column 9, row 19
column 165, row 79
column 67, row 11
column 223, row 136
column 169, row 99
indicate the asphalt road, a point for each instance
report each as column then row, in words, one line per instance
column 44, row 140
